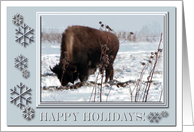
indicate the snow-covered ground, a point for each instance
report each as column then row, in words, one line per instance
column 127, row 67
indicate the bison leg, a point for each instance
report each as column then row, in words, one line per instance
column 83, row 77
column 109, row 72
column 84, row 73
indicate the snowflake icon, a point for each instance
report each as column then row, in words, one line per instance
column 28, row 113
column 21, row 62
column 154, row 117
column 25, row 73
column 17, row 19
column 20, row 95
column 24, row 35
column 164, row 114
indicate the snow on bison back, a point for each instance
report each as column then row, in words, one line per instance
column 81, row 46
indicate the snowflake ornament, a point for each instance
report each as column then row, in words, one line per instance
column 154, row 117
column 164, row 114
column 24, row 34
column 25, row 73
column 21, row 62
column 28, row 113
column 17, row 19
column 20, row 95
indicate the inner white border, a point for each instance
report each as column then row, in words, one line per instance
column 115, row 104
column 177, row 4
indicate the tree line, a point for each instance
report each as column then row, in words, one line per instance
column 54, row 36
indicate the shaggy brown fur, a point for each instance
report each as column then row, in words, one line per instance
column 83, row 50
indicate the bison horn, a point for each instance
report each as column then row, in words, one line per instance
column 51, row 69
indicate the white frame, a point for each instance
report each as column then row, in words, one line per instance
column 116, row 104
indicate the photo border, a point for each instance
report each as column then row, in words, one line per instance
column 112, row 104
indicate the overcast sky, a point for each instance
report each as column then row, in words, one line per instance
column 129, row 23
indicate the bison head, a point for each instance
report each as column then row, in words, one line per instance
column 70, row 74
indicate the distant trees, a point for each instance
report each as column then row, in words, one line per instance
column 51, row 35
column 123, row 35
column 146, row 34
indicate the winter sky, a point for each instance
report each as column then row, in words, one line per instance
column 129, row 23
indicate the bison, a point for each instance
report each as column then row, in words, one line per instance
column 81, row 46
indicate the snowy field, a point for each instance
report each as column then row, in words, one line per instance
column 127, row 67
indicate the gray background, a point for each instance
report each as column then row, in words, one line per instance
column 188, row 31
column 14, row 76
